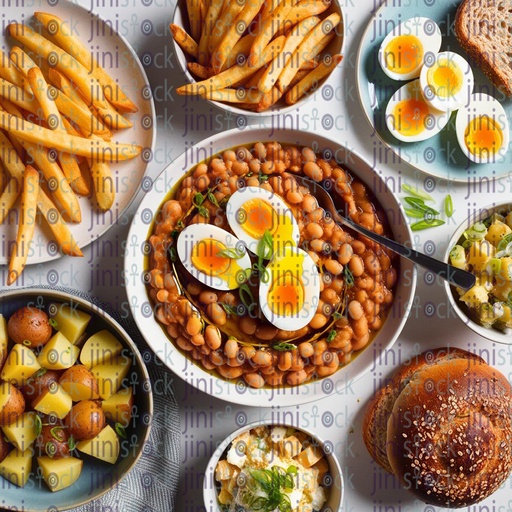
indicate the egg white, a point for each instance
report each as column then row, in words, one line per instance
column 436, row 121
column 195, row 233
column 429, row 35
column 307, row 272
column 481, row 104
column 452, row 101
column 242, row 195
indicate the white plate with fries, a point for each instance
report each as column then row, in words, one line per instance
column 88, row 136
column 254, row 59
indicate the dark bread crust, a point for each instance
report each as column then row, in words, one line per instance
column 484, row 30
column 449, row 433
column 378, row 411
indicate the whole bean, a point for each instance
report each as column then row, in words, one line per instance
column 197, row 340
column 314, row 230
column 371, row 263
column 355, row 310
column 334, row 267
column 260, row 151
column 356, row 265
column 254, row 166
column 318, row 321
column 235, row 362
column 255, row 380
column 161, row 315
column 230, row 372
column 248, row 352
column 184, row 344
column 309, row 203
column 285, row 361
column 262, row 358
column 361, row 342
column 240, row 168
column 360, row 327
column 172, row 331
column 208, row 297
column 390, row 278
column 217, row 357
column 202, row 183
column 306, row 349
column 196, row 354
column 194, row 325
column 326, row 168
column 207, row 364
column 185, row 307
column 200, row 170
column 162, row 295
column 325, row 371
column 267, row 370
column 296, row 378
column 274, row 379
column 294, row 197
column 229, row 156
column 231, row 348
column 316, row 215
column 345, row 253
column 308, row 155
column 212, row 337
column 265, row 332
column 276, row 183
column 375, row 323
column 204, row 349
column 194, row 288
column 216, row 313
column 313, row 171
column 358, row 247
column 297, row 361
column 247, row 325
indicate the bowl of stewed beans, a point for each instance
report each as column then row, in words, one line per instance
column 246, row 288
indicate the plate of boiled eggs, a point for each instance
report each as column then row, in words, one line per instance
column 425, row 98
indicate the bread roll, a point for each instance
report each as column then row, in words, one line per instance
column 443, row 426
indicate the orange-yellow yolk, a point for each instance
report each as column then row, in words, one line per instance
column 410, row 117
column 445, row 77
column 403, row 54
column 258, row 217
column 205, row 257
column 286, row 295
column 483, row 136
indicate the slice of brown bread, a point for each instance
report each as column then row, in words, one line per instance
column 484, row 29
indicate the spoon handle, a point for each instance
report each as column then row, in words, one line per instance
column 453, row 275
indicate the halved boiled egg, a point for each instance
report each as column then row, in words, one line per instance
column 482, row 129
column 290, row 289
column 409, row 118
column 251, row 211
column 404, row 49
column 447, row 81
column 213, row 256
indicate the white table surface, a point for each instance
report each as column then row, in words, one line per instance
column 206, row 420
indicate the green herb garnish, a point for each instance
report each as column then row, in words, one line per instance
column 212, row 198
column 448, row 205
column 230, row 310
column 198, row 199
column 283, row 346
column 349, row 277
column 71, row 443
column 425, row 224
column 38, row 424
column 120, row 430
column 420, row 194
column 56, row 433
column 231, row 252
column 275, row 483
column 331, row 335
column 246, row 297
column 203, row 211
column 413, row 213
column 420, row 205
column 53, row 322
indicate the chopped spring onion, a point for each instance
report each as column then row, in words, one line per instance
column 421, row 194
column 423, row 224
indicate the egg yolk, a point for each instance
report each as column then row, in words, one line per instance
column 206, row 258
column 257, row 216
column 445, row 77
column 483, row 136
column 410, row 117
column 286, row 295
column 403, row 54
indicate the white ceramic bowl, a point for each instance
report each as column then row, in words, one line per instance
column 451, row 292
column 97, row 477
column 335, row 47
column 195, row 375
column 335, row 482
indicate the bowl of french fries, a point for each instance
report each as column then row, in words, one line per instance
column 261, row 57
column 69, row 130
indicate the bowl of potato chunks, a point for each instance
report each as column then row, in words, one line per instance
column 75, row 401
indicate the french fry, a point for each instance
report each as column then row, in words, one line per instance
column 296, row 36
column 320, row 47
column 194, row 18
column 9, row 73
column 22, row 61
column 228, row 17
column 306, row 49
column 96, row 150
column 19, row 97
column 186, row 43
column 201, row 72
column 210, row 21
column 103, row 184
column 239, row 95
column 310, row 81
column 277, row 20
column 68, row 65
column 232, row 75
column 54, row 121
column 8, row 198
column 268, row 99
column 62, row 34
column 4, row 178
column 27, row 224
column 59, row 186
column 304, row 9
column 268, row 7
column 240, row 52
column 60, row 231
column 10, row 158
column 234, row 33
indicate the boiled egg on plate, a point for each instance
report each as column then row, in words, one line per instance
column 482, row 129
column 405, row 48
column 447, row 81
column 289, row 289
column 213, row 256
column 251, row 211
column 409, row 118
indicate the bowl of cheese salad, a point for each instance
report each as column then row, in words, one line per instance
column 483, row 245
column 268, row 467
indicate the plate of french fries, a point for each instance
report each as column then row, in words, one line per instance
column 76, row 132
column 257, row 57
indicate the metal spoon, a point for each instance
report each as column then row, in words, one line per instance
column 453, row 275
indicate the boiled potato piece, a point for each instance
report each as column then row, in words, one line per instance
column 58, row 354
column 4, row 341
column 16, row 466
column 23, row 431
column 118, row 408
column 505, row 273
column 475, row 296
column 20, row 365
column 85, row 420
column 111, row 375
column 105, row 446
column 479, row 254
column 71, row 322
column 100, row 348
column 496, row 231
column 79, row 383
column 311, row 455
column 54, row 401
column 12, row 403
column 60, row 473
